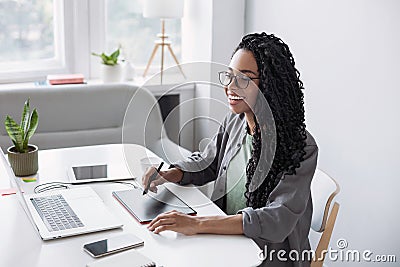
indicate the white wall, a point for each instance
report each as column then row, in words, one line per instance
column 348, row 53
column 211, row 31
column 197, row 46
column 228, row 29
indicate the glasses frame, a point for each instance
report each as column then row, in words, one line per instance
column 235, row 77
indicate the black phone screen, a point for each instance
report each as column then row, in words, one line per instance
column 113, row 244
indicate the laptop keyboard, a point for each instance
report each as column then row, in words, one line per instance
column 56, row 213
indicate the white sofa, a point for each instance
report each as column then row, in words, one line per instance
column 81, row 115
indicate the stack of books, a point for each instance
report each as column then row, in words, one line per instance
column 65, row 79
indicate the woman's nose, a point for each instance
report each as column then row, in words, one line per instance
column 232, row 85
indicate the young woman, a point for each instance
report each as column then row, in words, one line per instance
column 267, row 198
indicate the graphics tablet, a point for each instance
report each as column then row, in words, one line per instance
column 95, row 173
column 146, row 207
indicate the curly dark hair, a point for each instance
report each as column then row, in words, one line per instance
column 282, row 88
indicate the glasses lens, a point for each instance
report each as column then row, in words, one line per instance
column 242, row 81
column 225, row 78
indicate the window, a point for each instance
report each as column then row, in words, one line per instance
column 27, row 32
column 40, row 37
column 30, row 38
column 127, row 27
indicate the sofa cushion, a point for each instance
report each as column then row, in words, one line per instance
column 70, row 115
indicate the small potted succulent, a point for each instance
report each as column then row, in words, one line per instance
column 110, row 69
column 23, row 157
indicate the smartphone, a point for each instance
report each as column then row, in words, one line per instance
column 112, row 245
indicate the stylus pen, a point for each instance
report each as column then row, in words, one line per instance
column 152, row 178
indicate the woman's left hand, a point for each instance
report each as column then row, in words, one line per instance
column 175, row 221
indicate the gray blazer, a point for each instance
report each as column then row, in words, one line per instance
column 284, row 222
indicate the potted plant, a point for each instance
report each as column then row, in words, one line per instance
column 23, row 157
column 110, row 69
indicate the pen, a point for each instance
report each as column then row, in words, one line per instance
column 152, row 178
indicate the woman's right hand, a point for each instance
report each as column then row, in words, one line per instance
column 172, row 175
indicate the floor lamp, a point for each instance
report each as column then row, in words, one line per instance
column 163, row 9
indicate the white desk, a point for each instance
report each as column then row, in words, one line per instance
column 21, row 246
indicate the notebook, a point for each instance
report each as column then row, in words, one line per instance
column 146, row 207
column 55, row 79
column 130, row 258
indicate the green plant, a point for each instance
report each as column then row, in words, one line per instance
column 111, row 59
column 20, row 134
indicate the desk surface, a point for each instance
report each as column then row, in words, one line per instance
column 20, row 245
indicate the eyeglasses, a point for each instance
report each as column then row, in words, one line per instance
column 241, row 81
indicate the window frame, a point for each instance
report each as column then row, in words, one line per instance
column 79, row 30
column 97, row 40
column 18, row 71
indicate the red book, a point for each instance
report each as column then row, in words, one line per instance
column 65, row 78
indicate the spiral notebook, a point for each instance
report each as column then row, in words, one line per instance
column 130, row 258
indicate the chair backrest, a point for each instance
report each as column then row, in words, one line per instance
column 323, row 189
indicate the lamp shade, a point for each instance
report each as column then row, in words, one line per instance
column 165, row 9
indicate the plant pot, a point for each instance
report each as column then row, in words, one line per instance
column 111, row 74
column 128, row 72
column 24, row 164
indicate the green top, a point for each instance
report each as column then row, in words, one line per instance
column 236, row 178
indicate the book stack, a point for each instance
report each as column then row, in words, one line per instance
column 65, row 79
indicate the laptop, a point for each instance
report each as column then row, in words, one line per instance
column 61, row 213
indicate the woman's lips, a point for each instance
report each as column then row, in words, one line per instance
column 235, row 99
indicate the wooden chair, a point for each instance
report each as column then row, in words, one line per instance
column 323, row 190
